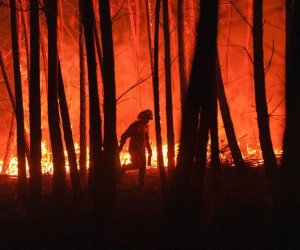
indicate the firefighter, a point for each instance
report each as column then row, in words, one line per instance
column 138, row 132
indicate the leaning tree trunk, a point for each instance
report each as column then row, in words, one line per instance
column 160, row 159
column 181, row 51
column 19, row 104
column 75, row 180
column 260, row 89
column 35, row 105
column 59, row 171
column 82, row 124
column 227, row 121
column 183, row 207
column 291, row 142
column 168, row 83
column 107, row 192
column 94, row 111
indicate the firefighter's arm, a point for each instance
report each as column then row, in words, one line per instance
column 125, row 135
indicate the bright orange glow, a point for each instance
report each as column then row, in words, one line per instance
column 251, row 156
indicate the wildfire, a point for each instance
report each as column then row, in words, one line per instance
column 253, row 156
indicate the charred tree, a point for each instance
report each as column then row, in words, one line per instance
column 168, row 83
column 291, row 142
column 181, row 51
column 19, row 104
column 227, row 121
column 94, row 111
column 107, row 192
column 82, row 124
column 183, row 207
column 260, row 89
column 35, row 105
column 59, row 171
column 160, row 159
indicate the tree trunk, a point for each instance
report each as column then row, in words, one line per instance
column 35, row 105
column 94, row 111
column 9, row 145
column 75, row 180
column 260, row 90
column 97, row 42
column 107, row 187
column 183, row 206
column 168, row 84
column 227, row 121
column 291, row 142
column 181, row 51
column 82, row 126
column 59, row 171
column 160, row 159
column 19, row 104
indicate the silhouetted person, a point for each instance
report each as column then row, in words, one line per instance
column 138, row 132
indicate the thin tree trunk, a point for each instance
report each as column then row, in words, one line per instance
column 214, row 135
column 9, row 145
column 98, row 45
column 26, row 38
column 35, row 105
column 59, row 171
column 227, row 121
column 160, row 159
column 260, row 89
column 21, row 145
column 107, row 187
column 75, row 180
column 149, row 36
column 168, row 84
column 181, row 51
column 82, row 126
column 202, row 139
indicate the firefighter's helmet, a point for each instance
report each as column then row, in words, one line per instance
column 145, row 115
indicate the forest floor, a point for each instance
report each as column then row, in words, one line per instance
column 237, row 212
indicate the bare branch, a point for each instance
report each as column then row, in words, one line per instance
column 270, row 60
column 241, row 14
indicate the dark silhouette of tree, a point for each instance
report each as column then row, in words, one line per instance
column 35, row 105
column 168, row 83
column 107, row 173
column 227, row 121
column 19, row 104
column 160, row 159
column 260, row 90
column 291, row 142
column 181, row 51
column 82, row 124
column 94, row 111
column 68, row 136
column 183, row 207
column 59, row 171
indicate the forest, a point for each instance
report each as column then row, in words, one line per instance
column 221, row 81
